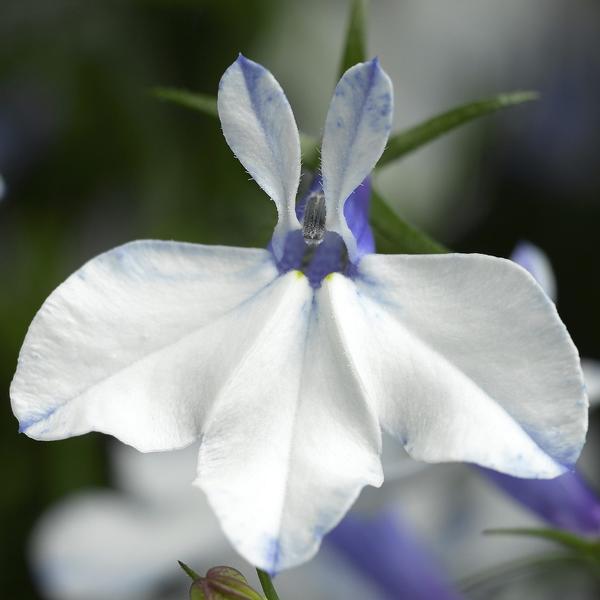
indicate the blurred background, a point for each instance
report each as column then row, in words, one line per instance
column 89, row 160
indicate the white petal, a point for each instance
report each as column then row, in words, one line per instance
column 467, row 360
column 291, row 442
column 356, row 130
column 591, row 374
column 534, row 259
column 137, row 342
column 259, row 127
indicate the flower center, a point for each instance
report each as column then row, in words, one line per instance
column 316, row 257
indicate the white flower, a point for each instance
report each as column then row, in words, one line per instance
column 287, row 379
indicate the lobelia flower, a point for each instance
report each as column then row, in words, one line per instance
column 287, row 362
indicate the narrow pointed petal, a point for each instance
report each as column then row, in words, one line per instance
column 387, row 553
column 291, row 441
column 137, row 342
column 566, row 502
column 356, row 130
column 467, row 360
column 534, row 259
column 259, row 127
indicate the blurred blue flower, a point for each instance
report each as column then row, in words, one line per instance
column 382, row 548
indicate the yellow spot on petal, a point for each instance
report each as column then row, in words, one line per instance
column 299, row 274
column 330, row 276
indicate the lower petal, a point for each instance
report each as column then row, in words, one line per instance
column 291, row 441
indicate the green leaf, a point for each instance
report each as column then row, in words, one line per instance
column 583, row 546
column 267, row 585
column 393, row 235
column 189, row 571
column 201, row 102
column 402, row 143
column 355, row 48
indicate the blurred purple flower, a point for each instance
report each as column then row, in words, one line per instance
column 381, row 548
column 566, row 502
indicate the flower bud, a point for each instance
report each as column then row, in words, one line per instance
column 222, row 583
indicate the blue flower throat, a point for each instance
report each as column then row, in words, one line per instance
column 318, row 252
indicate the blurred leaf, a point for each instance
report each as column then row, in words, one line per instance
column 415, row 137
column 310, row 151
column 202, row 102
column 503, row 573
column 589, row 548
column 355, row 48
column 393, row 235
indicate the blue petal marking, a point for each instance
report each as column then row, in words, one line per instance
column 25, row 424
column 265, row 101
column 273, row 555
column 253, row 73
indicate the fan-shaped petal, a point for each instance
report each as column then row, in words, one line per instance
column 139, row 340
column 466, row 359
column 291, row 441
column 259, row 127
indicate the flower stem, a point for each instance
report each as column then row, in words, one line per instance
column 267, row 585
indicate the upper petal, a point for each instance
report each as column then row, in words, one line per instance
column 466, row 359
column 137, row 342
column 356, row 130
column 291, row 441
column 259, row 127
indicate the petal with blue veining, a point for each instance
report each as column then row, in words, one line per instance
column 466, row 359
column 259, row 127
column 357, row 127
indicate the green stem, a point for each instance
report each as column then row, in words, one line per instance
column 267, row 585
